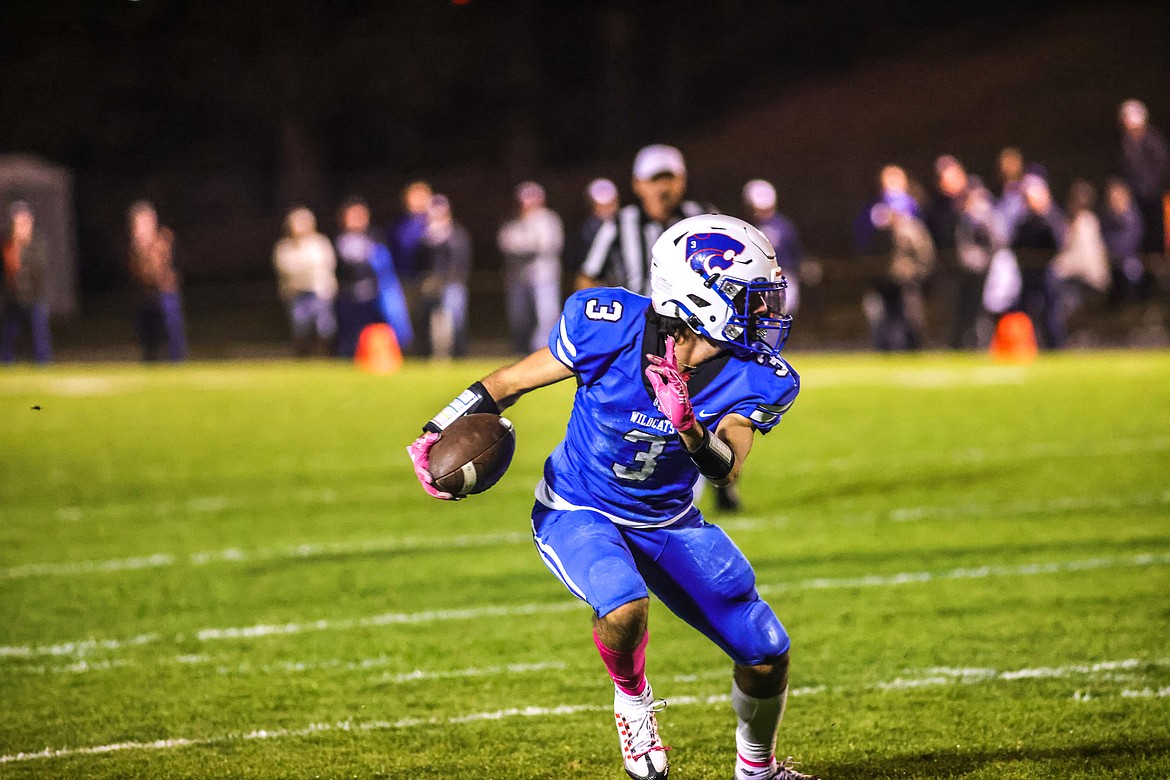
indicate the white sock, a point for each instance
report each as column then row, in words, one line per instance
column 755, row 735
column 641, row 700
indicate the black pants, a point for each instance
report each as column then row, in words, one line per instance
column 968, row 309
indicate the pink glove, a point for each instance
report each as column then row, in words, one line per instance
column 670, row 388
column 420, row 455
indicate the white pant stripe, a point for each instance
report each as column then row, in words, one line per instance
column 557, row 568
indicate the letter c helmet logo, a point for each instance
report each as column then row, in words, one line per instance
column 710, row 252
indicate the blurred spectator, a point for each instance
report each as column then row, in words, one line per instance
column 895, row 308
column 23, row 287
column 897, row 194
column 759, row 198
column 979, row 236
column 1038, row 237
column 306, row 270
column 946, row 203
column 1011, row 205
column 152, row 267
column 1001, row 289
column 660, row 183
column 406, row 235
column 368, row 290
column 602, row 196
column 1082, row 267
column 445, row 264
column 531, row 244
column 1121, row 229
column 405, row 247
column 1144, row 164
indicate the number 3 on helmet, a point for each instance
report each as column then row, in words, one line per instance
column 718, row 274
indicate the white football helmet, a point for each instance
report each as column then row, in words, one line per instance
column 718, row 274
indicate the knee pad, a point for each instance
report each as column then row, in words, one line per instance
column 736, row 581
column 763, row 638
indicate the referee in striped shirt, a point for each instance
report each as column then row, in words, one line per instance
column 620, row 253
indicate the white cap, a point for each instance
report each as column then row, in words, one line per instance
column 602, row 191
column 657, row 159
column 759, row 194
column 1134, row 112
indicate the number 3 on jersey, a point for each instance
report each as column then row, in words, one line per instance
column 609, row 313
column 648, row 458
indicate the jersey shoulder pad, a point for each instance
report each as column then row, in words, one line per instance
column 595, row 324
column 773, row 386
column 606, row 304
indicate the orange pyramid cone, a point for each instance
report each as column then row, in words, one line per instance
column 1014, row 340
column 377, row 350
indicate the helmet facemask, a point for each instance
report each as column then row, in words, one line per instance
column 758, row 321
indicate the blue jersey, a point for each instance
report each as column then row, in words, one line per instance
column 620, row 455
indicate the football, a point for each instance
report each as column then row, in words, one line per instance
column 472, row 454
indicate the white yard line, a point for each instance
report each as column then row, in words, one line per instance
column 1049, row 506
column 865, row 459
column 292, row 667
column 971, row 573
column 926, row 513
column 87, row 567
column 1145, row 693
column 562, row 710
column 466, row 541
column 237, row 555
column 81, row 666
column 82, row 648
column 935, row 676
column 79, row 648
column 420, row 675
column 396, row 678
column 385, row 619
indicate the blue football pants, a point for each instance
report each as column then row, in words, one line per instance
column 692, row 567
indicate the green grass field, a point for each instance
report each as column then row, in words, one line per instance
column 229, row 571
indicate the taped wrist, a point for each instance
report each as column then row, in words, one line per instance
column 713, row 457
column 474, row 400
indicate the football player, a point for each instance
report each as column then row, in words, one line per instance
column 670, row 388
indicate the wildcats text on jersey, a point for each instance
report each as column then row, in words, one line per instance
column 660, row 425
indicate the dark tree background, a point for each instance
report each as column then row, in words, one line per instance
column 225, row 113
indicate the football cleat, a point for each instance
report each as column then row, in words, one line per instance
column 785, row 770
column 643, row 754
